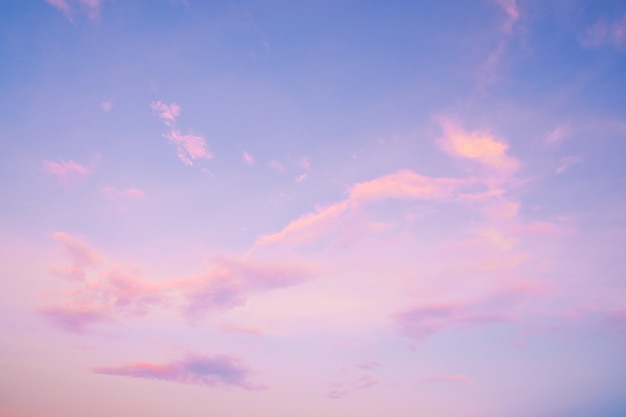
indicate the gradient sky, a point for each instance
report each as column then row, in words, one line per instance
column 313, row 208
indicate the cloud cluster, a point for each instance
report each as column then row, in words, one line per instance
column 189, row 146
column 107, row 292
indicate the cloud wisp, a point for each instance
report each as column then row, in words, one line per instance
column 217, row 371
column 67, row 173
column 92, row 8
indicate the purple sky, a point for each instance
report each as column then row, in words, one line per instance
column 313, row 208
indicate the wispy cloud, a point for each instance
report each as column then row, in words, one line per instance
column 567, row 162
column 511, row 9
column 232, row 280
column 70, row 7
column 76, row 318
column 457, row 378
column 404, row 184
column 189, row 146
column 115, row 194
column 276, row 166
column 106, row 106
column 557, row 136
column 247, row 158
column 604, row 32
column 211, row 371
column 361, row 383
column 67, row 173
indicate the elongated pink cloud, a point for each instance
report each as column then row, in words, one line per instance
column 60, row 4
column 480, row 147
column 403, row 185
column 557, row 136
column 427, row 319
column 67, row 173
column 211, row 371
column 458, row 378
column 115, row 194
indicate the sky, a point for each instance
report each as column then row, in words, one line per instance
column 312, row 208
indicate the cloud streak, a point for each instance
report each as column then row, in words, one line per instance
column 209, row 371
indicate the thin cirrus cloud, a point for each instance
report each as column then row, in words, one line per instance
column 205, row 370
column 603, row 33
column 67, row 173
column 70, row 7
column 247, row 158
column 77, row 318
column 511, row 9
column 404, row 184
column 427, row 319
column 115, row 194
column 361, row 383
column 189, row 146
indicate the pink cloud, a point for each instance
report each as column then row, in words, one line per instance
column 557, row 136
column 106, row 106
column 566, row 163
column 67, row 173
column 404, row 184
column 115, row 194
column 425, row 320
column 361, row 383
column 606, row 33
column 80, row 253
column 248, row 159
column 167, row 113
column 480, row 147
column 511, row 9
column 276, row 166
column 232, row 280
column 189, row 146
column 211, row 371
column 60, row 4
column 463, row 379
column 75, row 318
column 91, row 7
